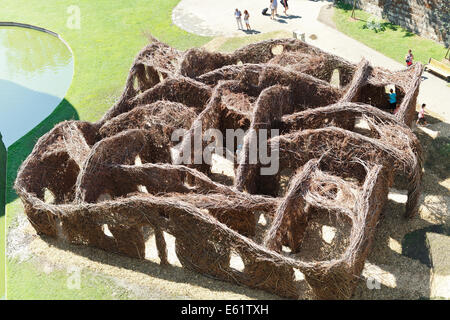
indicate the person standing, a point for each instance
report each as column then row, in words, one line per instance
column 421, row 116
column 246, row 17
column 392, row 100
column 285, row 5
column 275, row 3
column 238, row 16
column 272, row 9
column 409, row 58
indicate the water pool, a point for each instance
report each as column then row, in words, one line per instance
column 36, row 70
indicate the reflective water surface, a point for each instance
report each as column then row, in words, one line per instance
column 36, row 70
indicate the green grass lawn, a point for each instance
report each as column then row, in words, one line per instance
column 61, row 284
column 393, row 42
column 111, row 34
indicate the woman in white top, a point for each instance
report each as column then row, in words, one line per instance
column 246, row 16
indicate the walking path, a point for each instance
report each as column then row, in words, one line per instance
column 215, row 18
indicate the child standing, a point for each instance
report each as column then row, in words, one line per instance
column 421, row 116
column 273, row 8
column 392, row 100
column 409, row 58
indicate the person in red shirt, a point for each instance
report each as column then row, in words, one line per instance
column 409, row 58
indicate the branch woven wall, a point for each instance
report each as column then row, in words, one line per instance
column 338, row 174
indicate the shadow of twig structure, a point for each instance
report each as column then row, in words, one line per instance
column 23, row 147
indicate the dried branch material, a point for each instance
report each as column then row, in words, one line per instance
column 121, row 171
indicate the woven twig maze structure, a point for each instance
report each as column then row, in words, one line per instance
column 331, row 171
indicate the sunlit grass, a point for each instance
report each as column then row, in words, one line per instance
column 29, row 282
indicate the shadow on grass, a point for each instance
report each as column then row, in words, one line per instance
column 408, row 34
column 343, row 6
column 20, row 149
column 393, row 27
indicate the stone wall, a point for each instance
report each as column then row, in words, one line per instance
column 428, row 18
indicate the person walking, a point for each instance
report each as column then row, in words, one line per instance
column 285, row 5
column 409, row 58
column 238, row 16
column 272, row 9
column 246, row 17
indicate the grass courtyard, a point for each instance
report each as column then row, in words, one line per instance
column 110, row 36
column 391, row 40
